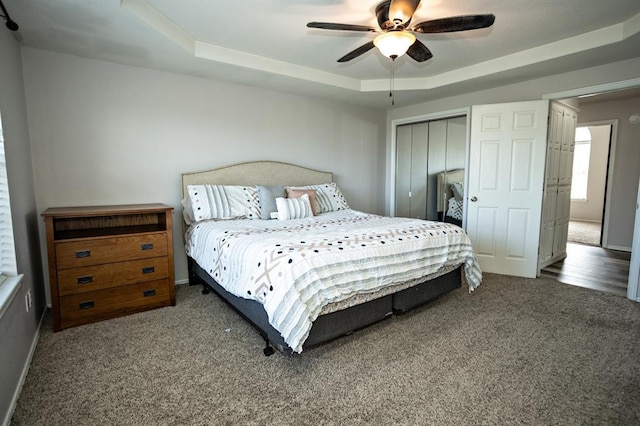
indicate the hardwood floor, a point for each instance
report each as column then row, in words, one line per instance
column 592, row 267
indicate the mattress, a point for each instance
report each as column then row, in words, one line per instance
column 296, row 268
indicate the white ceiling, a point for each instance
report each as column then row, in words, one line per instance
column 266, row 43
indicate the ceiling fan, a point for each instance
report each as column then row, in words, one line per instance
column 396, row 34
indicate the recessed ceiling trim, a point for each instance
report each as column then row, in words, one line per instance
column 591, row 40
column 579, row 43
column 602, row 88
column 160, row 23
column 631, row 26
column 247, row 60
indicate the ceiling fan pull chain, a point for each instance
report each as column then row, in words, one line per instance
column 391, row 77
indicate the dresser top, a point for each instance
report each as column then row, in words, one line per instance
column 119, row 209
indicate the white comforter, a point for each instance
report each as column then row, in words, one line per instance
column 296, row 267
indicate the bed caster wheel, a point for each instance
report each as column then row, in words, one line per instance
column 205, row 291
column 268, row 351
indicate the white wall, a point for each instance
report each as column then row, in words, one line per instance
column 591, row 209
column 103, row 133
column 18, row 328
column 627, row 170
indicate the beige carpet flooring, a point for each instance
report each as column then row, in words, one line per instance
column 583, row 232
column 516, row 351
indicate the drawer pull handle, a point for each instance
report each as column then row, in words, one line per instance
column 85, row 280
column 83, row 253
column 146, row 246
column 148, row 270
column 149, row 293
column 87, row 305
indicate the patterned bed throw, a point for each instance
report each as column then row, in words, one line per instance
column 296, row 267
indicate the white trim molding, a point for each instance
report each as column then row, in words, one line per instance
column 633, row 286
column 592, row 90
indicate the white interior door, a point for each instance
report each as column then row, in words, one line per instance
column 506, row 176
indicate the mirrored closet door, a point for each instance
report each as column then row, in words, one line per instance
column 430, row 161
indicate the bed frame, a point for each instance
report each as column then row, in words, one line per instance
column 326, row 327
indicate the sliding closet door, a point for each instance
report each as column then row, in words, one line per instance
column 424, row 151
column 437, row 163
column 419, row 167
column 403, row 171
column 412, row 142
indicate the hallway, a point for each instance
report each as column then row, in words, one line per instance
column 592, row 267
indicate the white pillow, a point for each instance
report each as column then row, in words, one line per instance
column 221, row 202
column 294, row 208
column 328, row 197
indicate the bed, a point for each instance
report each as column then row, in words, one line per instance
column 450, row 196
column 304, row 280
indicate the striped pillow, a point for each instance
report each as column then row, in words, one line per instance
column 222, row 202
column 328, row 197
column 294, row 208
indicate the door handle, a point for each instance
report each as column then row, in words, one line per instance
column 474, row 198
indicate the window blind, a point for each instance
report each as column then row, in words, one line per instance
column 7, row 246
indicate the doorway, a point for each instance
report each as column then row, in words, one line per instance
column 588, row 184
column 589, row 262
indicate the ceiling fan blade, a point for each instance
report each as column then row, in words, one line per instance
column 455, row 23
column 402, row 10
column 342, row 27
column 357, row 52
column 419, row 52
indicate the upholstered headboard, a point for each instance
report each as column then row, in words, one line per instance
column 257, row 173
column 445, row 179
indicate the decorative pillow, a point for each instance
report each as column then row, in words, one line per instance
column 298, row 192
column 328, row 197
column 267, row 197
column 222, row 202
column 187, row 211
column 458, row 190
column 455, row 209
column 294, row 208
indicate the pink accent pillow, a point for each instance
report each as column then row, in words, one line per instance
column 297, row 193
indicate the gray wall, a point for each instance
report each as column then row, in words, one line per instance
column 628, row 150
column 103, row 133
column 18, row 328
column 627, row 164
column 591, row 209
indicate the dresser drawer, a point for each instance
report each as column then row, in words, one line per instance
column 89, row 307
column 74, row 254
column 90, row 278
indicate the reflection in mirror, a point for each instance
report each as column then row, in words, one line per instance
column 450, row 180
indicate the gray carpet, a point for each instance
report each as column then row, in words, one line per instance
column 583, row 232
column 516, row 351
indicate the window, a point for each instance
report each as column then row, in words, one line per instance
column 581, row 157
column 7, row 247
column 10, row 280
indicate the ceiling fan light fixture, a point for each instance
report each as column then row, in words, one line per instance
column 394, row 44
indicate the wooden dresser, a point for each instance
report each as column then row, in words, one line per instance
column 108, row 261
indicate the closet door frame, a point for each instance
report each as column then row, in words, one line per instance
column 441, row 115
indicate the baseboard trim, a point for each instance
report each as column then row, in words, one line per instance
column 25, row 371
column 619, row 248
